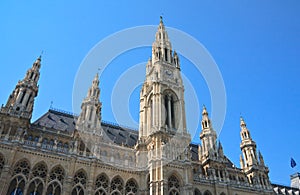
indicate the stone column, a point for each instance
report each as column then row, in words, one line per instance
column 5, row 179
column 169, row 113
column 7, row 134
column 67, row 187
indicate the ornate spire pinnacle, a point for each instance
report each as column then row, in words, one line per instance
column 90, row 116
column 206, row 123
column 20, row 102
column 208, row 135
column 204, row 110
column 261, row 159
column 96, row 80
column 220, row 149
column 242, row 122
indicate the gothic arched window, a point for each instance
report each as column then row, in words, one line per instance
column 152, row 113
column 39, row 170
column 207, row 192
column 148, row 184
column 1, row 162
column 22, row 167
column 171, row 113
column 79, row 183
column 116, row 185
column 56, row 178
column 57, row 173
column 197, row 192
column 173, row 185
column 20, row 175
column 38, row 177
column 101, row 185
column 131, row 187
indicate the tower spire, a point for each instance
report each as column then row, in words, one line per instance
column 208, row 135
column 162, row 125
column 164, row 106
column 251, row 162
column 20, row 102
column 248, row 146
column 161, row 47
column 90, row 116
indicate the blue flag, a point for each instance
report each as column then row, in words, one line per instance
column 293, row 163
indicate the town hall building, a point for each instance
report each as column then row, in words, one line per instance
column 61, row 153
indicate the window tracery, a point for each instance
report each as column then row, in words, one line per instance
column 116, row 185
column 79, row 183
column 2, row 162
column 22, row 167
column 20, row 174
column 57, row 173
column 131, row 187
column 36, row 187
column 102, row 185
column 56, row 178
column 38, row 176
column 39, row 170
column 173, row 185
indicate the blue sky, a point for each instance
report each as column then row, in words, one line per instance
column 255, row 43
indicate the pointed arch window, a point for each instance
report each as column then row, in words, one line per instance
column 117, row 185
column 207, row 192
column 35, row 187
column 2, row 161
column 152, row 113
column 173, row 185
column 166, row 54
column 56, row 178
column 102, row 185
column 131, row 187
column 28, row 100
column 170, row 103
column 22, row 97
column 79, row 183
column 91, row 113
column 20, row 175
column 197, row 192
column 38, row 177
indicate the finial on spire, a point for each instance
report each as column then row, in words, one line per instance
column 242, row 122
column 204, row 111
column 161, row 19
column 40, row 57
column 96, row 78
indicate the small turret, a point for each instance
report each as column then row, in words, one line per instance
column 248, row 146
column 261, row 159
column 90, row 116
column 220, row 150
column 252, row 162
column 208, row 135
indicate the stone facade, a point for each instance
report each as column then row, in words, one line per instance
column 61, row 153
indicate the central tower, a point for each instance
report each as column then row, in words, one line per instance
column 162, row 95
column 163, row 137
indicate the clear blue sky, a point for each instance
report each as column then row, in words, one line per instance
column 256, row 45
